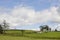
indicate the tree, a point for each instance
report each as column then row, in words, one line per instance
column 41, row 28
column 55, row 29
column 45, row 28
column 1, row 29
column 5, row 25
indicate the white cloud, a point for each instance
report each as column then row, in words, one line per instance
column 28, row 16
column 22, row 15
column 55, row 15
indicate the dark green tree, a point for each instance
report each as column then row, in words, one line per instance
column 41, row 28
column 55, row 29
column 44, row 27
column 1, row 29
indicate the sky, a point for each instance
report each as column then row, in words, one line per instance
column 30, row 14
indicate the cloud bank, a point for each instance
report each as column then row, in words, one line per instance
column 25, row 15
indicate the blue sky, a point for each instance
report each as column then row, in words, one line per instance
column 36, row 4
column 30, row 14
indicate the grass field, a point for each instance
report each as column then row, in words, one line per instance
column 29, row 35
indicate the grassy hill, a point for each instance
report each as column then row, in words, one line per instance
column 29, row 35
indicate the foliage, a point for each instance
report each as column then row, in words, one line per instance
column 1, row 30
column 5, row 25
column 55, row 29
column 45, row 27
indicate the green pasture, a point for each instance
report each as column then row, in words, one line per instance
column 29, row 35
